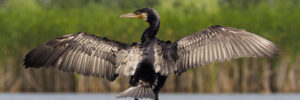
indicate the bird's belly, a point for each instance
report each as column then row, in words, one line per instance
column 144, row 73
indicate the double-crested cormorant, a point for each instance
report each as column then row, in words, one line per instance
column 150, row 62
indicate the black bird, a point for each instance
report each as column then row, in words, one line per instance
column 149, row 62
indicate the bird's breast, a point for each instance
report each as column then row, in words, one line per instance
column 150, row 54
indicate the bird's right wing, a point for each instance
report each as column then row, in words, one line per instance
column 219, row 43
column 82, row 53
column 216, row 44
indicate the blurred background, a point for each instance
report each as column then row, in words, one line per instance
column 25, row 24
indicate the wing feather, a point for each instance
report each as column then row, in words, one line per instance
column 82, row 53
column 217, row 44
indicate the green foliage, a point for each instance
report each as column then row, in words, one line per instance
column 25, row 24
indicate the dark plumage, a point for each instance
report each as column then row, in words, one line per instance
column 150, row 62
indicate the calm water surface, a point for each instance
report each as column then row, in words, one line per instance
column 163, row 96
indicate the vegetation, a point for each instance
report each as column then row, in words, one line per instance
column 25, row 24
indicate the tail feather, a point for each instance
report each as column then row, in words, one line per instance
column 138, row 92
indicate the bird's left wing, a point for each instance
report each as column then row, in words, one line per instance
column 82, row 53
column 215, row 44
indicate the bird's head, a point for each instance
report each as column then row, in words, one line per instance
column 147, row 14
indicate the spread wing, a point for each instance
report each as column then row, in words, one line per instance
column 217, row 44
column 82, row 53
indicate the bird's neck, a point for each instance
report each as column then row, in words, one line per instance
column 151, row 31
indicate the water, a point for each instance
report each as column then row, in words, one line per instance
column 163, row 96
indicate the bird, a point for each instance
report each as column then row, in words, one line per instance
column 148, row 62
